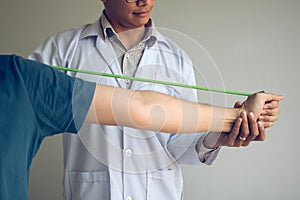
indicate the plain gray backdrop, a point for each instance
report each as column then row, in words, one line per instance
column 255, row 45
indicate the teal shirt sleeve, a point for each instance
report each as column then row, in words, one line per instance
column 61, row 102
column 35, row 101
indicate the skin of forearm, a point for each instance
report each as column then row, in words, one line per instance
column 159, row 112
column 180, row 116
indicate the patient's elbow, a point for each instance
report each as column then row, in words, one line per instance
column 139, row 109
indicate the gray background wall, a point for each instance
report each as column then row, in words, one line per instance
column 255, row 44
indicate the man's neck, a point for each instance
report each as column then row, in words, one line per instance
column 132, row 37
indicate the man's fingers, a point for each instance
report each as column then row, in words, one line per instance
column 253, row 127
column 262, row 132
column 244, row 130
column 230, row 139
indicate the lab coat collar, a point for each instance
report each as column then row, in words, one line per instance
column 91, row 30
column 161, row 39
column 94, row 30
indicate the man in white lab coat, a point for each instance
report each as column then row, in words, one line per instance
column 118, row 162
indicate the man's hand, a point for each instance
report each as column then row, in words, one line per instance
column 245, row 130
column 248, row 127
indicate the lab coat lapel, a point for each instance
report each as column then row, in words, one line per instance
column 107, row 52
column 148, row 68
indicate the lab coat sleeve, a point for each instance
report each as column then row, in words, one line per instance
column 58, row 49
column 47, row 53
column 206, row 155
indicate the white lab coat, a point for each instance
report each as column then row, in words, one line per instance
column 105, row 162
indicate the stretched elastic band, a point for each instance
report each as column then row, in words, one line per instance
column 152, row 81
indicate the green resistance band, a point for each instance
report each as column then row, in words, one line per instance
column 152, row 81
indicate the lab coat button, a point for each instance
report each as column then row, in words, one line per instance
column 128, row 198
column 128, row 152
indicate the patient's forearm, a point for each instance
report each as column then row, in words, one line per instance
column 159, row 112
column 172, row 115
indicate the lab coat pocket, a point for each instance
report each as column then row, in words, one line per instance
column 90, row 185
column 162, row 185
